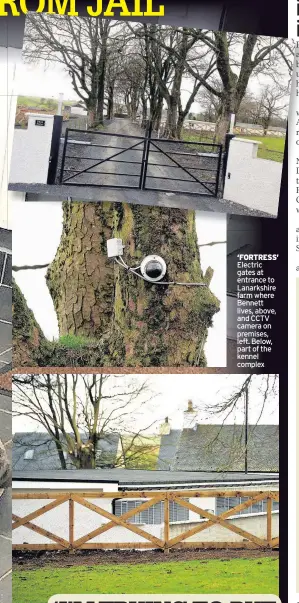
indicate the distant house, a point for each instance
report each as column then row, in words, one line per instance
column 34, row 451
column 201, row 447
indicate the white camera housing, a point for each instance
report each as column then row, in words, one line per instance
column 114, row 248
column 153, row 268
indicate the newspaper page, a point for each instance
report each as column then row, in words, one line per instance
column 149, row 173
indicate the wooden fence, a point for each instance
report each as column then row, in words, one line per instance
column 151, row 542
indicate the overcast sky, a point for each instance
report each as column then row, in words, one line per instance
column 170, row 395
column 38, row 242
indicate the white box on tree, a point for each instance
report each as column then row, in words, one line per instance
column 114, row 248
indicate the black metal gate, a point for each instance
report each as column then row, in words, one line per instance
column 111, row 160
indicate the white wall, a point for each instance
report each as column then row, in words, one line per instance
column 31, row 150
column 250, row 181
column 9, row 58
column 255, row 524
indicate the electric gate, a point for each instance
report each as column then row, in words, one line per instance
column 111, row 160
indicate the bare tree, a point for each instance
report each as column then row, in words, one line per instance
column 155, row 61
column 81, row 45
column 238, row 58
column 209, row 102
column 77, row 411
column 169, row 52
column 272, row 103
column 266, row 385
column 254, row 392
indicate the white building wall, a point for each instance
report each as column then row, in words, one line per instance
column 255, row 524
column 250, row 181
column 31, row 150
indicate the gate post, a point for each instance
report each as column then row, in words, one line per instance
column 218, row 170
column 145, row 154
column 63, row 156
column 228, row 138
column 54, row 151
column 31, row 150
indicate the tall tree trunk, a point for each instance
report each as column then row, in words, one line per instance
column 222, row 127
column 143, row 324
column 266, row 123
column 101, row 96
column 228, row 107
column 158, row 112
column 234, row 86
column 92, row 101
column 170, row 130
column 102, row 68
column 180, row 123
column 110, row 106
column 91, row 107
column 144, row 112
column 60, row 451
column 81, row 279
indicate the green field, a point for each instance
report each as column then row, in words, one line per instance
column 257, row 575
column 271, row 147
column 40, row 102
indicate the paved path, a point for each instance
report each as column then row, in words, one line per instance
column 125, row 169
column 5, row 505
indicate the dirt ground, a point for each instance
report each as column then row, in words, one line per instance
column 39, row 559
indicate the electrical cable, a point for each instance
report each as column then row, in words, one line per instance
column 133, row 270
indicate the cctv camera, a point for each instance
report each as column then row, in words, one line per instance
column 153, row 268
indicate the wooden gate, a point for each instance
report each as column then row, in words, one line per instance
column 148, row 499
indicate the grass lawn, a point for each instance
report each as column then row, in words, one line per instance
column 233, row 576
column 40, row 102
column 198, row 136
column 271, row 147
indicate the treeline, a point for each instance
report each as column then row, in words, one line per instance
column 146, row 68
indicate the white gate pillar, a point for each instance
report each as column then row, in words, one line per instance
column 252, row 181
column 31, row 150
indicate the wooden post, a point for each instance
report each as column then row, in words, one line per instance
column 71, row 524
column 166, row 525
column 269, row 521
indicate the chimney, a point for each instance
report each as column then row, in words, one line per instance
column 165, row 427
column 189, row 416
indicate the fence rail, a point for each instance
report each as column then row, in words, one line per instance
column 148, row 499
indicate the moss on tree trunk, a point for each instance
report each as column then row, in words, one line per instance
column 28, row 338
column 81, row 279
column 142, row 324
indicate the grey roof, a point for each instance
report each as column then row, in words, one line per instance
column 168, row 448
column 45, row 453
column 222, row 448
column 135, row 478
